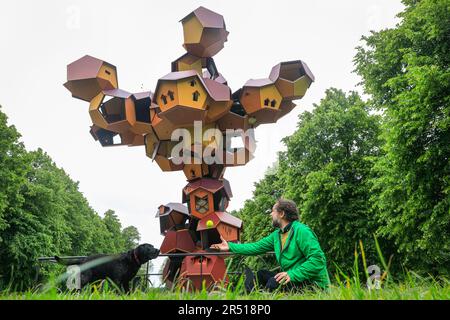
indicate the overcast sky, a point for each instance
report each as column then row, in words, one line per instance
column 141, row 38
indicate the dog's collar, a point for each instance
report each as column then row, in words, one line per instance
column 136, row 257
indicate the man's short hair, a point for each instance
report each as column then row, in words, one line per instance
column 289, row 207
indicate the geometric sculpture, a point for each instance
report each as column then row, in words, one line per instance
column 193, row 97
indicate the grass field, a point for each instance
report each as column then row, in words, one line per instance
column 414, row 288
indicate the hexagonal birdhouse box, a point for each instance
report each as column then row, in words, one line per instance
column 292, row 78
column 206, row 195
column 177, row 241
column 219, row 102
column 144, row 112
column 172, row 216
column 188, row 62
column 261, row 100
column 217, row 224
column 110, row 138
column 181, row 96
column 113, row 110
column 88, row 76
column 198, row 269
column 204, row 32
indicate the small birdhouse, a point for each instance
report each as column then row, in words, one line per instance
column 217, row 224
column 292, row 78
column 144, row 111
column 172, row 216
column 198, row 269
column 110, row 139
column 206, row 195
column 204, row 32
column 261, row 100
column 177, row 241
column 113, row 110
column 88, row 76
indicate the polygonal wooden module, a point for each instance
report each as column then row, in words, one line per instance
column 113, row 110
column 261, row 100
column 206, row 195
column 172, row 216
column 220, row 101
column 185, row 97
column 217, row 224
column 188, row 62
column 204, row 32
column 196, row 270
column 88, row 76
column 111, row 139
column 144, row 112
column 181, row 96
column 177, row 241
column 292, row 78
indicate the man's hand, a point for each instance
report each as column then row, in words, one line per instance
column 223, row 246
column 282, row 278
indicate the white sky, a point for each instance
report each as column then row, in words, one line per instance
column 141, row 38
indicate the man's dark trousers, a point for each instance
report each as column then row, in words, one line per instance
column 266, row 280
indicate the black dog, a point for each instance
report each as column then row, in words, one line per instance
column 119, row 268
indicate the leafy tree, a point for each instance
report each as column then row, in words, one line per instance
column 327, row 169
column 131, row 237
column 13, row 166
column 114, row 227
column 42, row 213
column 256, row 221
column 406, row 72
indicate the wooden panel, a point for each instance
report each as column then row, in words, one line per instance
column 186, row 93
column 192, row 30
column 108, row 73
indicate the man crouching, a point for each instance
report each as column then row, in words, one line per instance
column 297, row 251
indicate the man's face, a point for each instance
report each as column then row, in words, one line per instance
column 276, row 216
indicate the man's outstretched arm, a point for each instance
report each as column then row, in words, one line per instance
column 249, row 249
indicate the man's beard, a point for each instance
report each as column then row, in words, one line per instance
column 275, row 223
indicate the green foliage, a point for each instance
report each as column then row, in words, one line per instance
column 406, row 71
column 327, row 167
column 42, row 213
column 131, row 237
column 257, row 223
column 325, row 170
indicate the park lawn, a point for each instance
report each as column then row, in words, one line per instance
column 409, row 290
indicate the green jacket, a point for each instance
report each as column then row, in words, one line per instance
column 302, row 258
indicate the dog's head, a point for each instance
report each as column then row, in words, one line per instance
column 146, row 252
